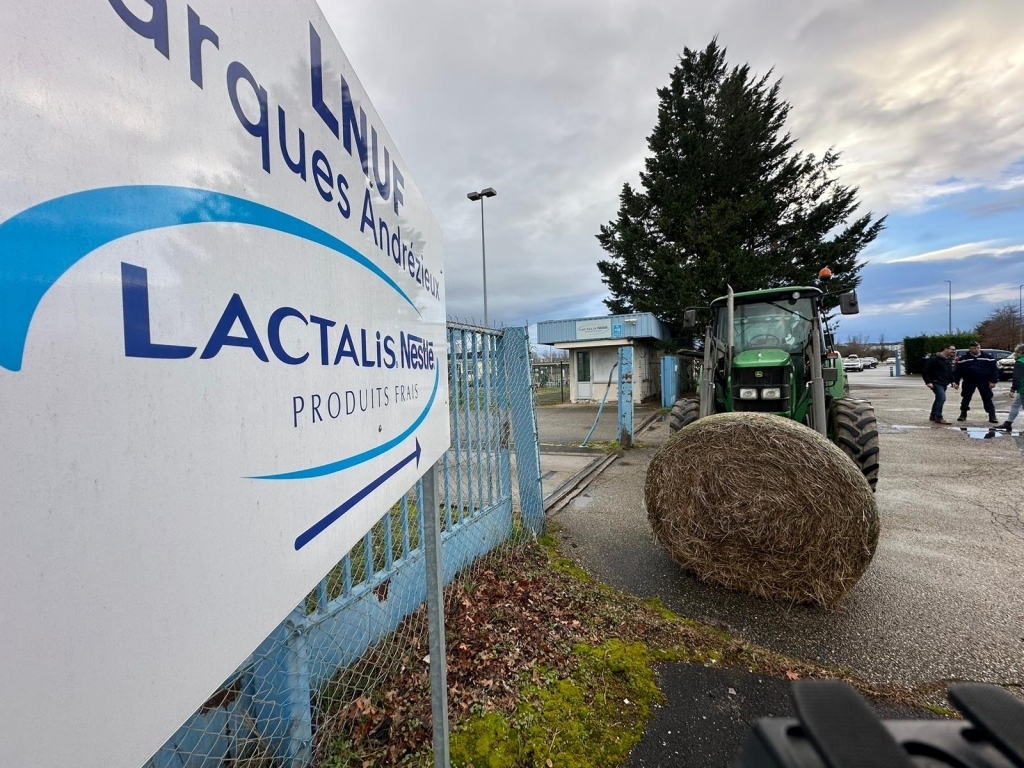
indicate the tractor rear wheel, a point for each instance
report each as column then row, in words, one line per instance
column 854, row 428
column 685, row 411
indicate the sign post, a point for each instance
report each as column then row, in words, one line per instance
column 435, row 616
column 222, row 352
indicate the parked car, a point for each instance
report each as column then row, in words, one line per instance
column 1005, row 369
column 853, row 363
column 1005, row 366
column 869, row 362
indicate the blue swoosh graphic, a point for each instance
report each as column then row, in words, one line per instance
column 351, row 461
column 41, row 243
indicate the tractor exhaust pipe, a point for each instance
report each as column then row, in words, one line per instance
column 731, row 304
column 817, row 383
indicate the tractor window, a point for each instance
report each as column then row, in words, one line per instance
column 782, row 324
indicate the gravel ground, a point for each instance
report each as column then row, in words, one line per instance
column 944, row 597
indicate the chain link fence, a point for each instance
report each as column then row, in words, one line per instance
column 551, row 381
column 344, row 679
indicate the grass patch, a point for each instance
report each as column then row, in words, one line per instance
column 551, row 395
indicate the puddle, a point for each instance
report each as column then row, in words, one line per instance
column 982, row 433
column 975, row 433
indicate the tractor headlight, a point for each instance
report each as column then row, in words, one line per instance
column 748, row 393
column 771, row 393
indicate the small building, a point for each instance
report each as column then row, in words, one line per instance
column 593, row 345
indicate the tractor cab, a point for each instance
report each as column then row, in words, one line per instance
column 770, row 335
column 768, row 352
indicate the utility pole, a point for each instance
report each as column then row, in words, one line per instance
column 950, row 283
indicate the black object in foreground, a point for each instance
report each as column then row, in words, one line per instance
column 835, row 728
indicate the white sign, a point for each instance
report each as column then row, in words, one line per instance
column 593, row 329
column 222, row 352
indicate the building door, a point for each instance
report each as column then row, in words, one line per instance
column 584, row 387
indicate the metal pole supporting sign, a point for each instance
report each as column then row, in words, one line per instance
column 430, row 507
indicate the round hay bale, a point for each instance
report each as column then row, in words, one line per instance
column 763, row 504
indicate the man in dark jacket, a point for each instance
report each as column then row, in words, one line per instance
column 1016, row 387
column 938, row 374
column 977, row 370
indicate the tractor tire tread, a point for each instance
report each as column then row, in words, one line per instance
column 855, row 431
column 684, row 412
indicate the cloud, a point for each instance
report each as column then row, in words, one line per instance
column 959, row 252
column 551, row 104
column 1001, row 293
column 921, row 99
column 902, row 307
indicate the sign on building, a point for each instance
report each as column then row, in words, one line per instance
column 600, row 328
column 222, row 352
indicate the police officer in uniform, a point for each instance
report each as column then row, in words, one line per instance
column 977, row 370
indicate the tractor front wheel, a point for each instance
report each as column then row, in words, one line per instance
column 684, row 412
column 854, row 428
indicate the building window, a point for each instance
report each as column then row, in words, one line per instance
column 582, row 366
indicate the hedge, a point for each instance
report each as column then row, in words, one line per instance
column 917, row 348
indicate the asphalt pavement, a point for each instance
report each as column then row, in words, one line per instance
column 942, row 600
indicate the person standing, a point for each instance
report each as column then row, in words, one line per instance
column 978, row 371
column 938, row 374
column 1017, row 387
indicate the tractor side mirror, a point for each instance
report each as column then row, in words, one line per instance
column 848, row 303
column 689, row 318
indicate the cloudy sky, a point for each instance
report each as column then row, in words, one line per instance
column 550, row 103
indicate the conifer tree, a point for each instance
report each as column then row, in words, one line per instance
column 726, row 199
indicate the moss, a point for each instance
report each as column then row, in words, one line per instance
column 561, row 563
column 943, row 711
column 725, row 637
column 659, row 608
column 607, row 446
column 590, row 719
column 484, row 742
column 548, row 541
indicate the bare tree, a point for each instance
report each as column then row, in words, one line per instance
column 1001, row 329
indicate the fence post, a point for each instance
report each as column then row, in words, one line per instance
column 516, row 353
column 282, row 692
column 626, row 396
column 431, row 509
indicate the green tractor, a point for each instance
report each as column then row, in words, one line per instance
column 770, row 352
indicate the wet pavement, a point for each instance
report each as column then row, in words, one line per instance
column 943, row 598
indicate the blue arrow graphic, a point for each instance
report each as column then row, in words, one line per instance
column 325, row 522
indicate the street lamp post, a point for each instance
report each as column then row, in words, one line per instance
column 474, row 196
column 950, row 283
column 1020, row 313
